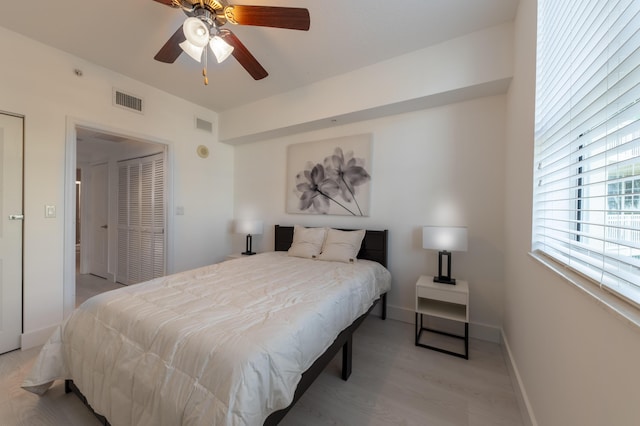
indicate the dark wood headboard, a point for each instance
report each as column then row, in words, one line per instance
column 374, row 243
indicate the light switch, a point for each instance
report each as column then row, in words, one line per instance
column 180, row 210
column 49, row 211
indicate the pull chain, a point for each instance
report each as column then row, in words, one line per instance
column 204, row 70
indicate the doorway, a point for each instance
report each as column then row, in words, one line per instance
column 96, row 155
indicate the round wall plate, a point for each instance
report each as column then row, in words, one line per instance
column 203, row 151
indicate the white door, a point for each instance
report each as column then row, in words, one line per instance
column 10, row 232
column 99, row 198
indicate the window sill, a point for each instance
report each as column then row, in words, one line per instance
column 622, row 309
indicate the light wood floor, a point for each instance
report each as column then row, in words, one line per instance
column 88, row 285
column 393, row 383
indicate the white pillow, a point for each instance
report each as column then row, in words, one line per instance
column 307, row 242
column 342, row 246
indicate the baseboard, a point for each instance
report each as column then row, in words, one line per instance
column 477, row 331
column 526, row 410
column 484, row 332
column 36, row 338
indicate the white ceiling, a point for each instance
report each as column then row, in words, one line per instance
column 124, row 36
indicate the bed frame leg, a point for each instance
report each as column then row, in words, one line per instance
column 384, row 306
column 69, row 387
column 347, row 354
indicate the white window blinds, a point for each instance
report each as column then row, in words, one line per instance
column 586, row 206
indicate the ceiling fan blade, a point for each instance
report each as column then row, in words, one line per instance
column 242, row 55
column 293, row 18
column 167, row 2
column 171, row 49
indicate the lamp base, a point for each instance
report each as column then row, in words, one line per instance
column 248, row 251
column 441, row 278
column 444, row 280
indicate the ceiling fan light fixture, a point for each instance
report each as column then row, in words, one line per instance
column 196, row 32
column 204, row 25
column 221, row 49
column 192, row 50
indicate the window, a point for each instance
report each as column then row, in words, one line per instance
column 586, row 198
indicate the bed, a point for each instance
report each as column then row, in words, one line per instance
column 235, row 343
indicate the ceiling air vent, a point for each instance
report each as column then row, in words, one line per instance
column 127, row 101
column 205, row 125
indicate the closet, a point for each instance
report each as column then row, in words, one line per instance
column 141, row 219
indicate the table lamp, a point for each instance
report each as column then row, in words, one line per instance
column 249, row 227
column 445, row 239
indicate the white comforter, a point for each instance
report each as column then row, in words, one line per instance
column 224, row 344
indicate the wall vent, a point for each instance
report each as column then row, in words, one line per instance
column 128, row 101
column 203, row 124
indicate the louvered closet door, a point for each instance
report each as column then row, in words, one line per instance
column 141, row 219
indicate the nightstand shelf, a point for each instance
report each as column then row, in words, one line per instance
column 446, row 310
column 450, row 302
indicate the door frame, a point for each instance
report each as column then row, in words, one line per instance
column 69, row 243
column 22, row 195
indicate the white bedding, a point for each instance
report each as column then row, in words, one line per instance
column 224, row 344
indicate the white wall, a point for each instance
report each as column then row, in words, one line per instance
column 576, row 359
column 473, row 65
column 441, row 166
column 39, row 82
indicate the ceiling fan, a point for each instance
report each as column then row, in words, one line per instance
column 204, row 27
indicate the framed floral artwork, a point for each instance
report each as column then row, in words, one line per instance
column 330, row 176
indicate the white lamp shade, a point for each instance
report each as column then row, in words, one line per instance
column 449, row 238
column 220, row 48
column 196, row 32
column 249, row 227
column 192, row 50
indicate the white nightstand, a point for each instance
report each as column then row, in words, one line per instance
column 446, row 301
